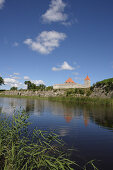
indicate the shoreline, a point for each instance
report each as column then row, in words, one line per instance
column 81, row 100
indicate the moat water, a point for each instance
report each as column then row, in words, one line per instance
column 86, row 128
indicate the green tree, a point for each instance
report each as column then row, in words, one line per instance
column 1, row 81
column 28, row 83
column 32, row 86
column 13, row 88
column 42, row 87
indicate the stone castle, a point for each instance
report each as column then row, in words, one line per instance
column 71, row 84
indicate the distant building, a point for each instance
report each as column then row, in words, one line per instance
column 71, row 84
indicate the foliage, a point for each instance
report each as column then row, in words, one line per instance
column 1, row 81
column 42, row 87
column 13, row 88
column 32, row 86
column 106, row 84
column 88, row 93
column 49, row 88
column 84, row 100
column 106, row 81
column 76, row 91
column 81, row 91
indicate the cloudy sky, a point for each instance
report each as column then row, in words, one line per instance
column 48, row 41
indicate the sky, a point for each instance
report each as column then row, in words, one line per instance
column 48, row 41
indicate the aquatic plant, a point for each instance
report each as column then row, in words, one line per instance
column 36, row 150
column 39, row 150
column 84, row 100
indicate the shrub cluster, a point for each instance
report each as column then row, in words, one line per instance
column 73, row 92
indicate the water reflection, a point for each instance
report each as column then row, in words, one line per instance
column 80, row 126
column 100, row 115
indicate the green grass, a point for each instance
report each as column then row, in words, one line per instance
column 106, row 85
column 83, row 100
column 41, row 150
column 107, row 80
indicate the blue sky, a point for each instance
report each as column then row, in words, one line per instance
column 51, row 40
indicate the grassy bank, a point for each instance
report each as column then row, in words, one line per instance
column 81, row 100
column 19, row 96
column 41, row 150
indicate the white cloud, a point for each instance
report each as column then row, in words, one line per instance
column 12, row 82
column 46, row 42
column 16, row 44
column 16, row 74
column 55, row 13
column 2, row 3
column 26, row 78
column 67, row 23
column 16, row 78
column 37, row 82
column 64, row 66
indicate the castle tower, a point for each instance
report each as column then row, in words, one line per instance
column 87, row 82
column 69, row 80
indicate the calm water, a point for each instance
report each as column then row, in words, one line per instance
column 88, row 129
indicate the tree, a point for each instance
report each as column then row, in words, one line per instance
column 42, row 87
column 13, row 88
column 1, row 81
column 30, row 85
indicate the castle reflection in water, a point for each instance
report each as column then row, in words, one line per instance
column 100, row 115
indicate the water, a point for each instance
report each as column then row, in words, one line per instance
column 87, row 128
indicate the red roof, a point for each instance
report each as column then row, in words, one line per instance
column 87, row 78
column 69, row 80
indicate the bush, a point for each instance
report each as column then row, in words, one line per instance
column 81, row 91
column 13, row 88
column 49, row 88
column 88, row 93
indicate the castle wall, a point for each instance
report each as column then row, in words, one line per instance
column 70, row 85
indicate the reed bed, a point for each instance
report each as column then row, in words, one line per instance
column 41, row 150
column 84, row 100
column 71, row 99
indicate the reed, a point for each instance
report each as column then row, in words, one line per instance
column 41, row 150
column 84, row 100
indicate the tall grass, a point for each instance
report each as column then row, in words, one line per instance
column 39, row 151
column 84, row 100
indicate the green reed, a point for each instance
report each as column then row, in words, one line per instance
column 84, row 100
column 39, row 150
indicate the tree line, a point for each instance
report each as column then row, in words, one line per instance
column 30, row 86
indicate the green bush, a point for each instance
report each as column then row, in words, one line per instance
column 81, row 91
column 49, row 88
column 88, row 93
